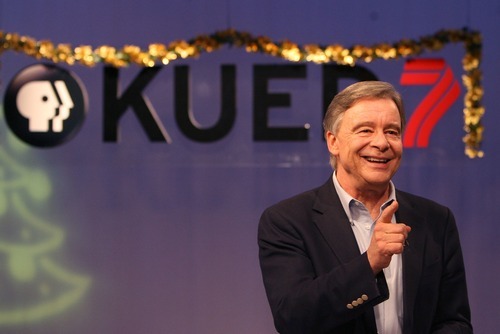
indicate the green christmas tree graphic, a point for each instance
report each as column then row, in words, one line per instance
column 33, row 285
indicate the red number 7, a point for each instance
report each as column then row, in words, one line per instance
column 445, row 91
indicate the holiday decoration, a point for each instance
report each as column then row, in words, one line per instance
column 34, row 285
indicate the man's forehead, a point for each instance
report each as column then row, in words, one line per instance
column 375, row 107
column 371, row 115
column 372, row 102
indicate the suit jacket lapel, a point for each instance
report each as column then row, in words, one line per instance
column 412, row 256
column 332, row 222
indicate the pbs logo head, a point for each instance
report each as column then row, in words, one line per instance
column 45, row 105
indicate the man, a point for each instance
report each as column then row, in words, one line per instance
column 357, row 255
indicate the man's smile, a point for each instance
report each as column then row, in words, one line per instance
column 377, row 160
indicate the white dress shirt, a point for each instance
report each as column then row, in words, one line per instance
column 388, row 314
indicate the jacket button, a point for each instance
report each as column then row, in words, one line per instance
column 350, row 307
column 364, row 297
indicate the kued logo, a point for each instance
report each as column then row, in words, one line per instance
column 45, row 105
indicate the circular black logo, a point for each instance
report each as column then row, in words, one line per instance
column 45, row 105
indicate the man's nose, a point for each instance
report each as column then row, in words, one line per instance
column 380, row 141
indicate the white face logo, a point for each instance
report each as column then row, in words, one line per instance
column 45, row 105
column 38, row 102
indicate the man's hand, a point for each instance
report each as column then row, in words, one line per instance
column 387, row 239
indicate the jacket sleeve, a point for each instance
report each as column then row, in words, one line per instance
column 305, row 298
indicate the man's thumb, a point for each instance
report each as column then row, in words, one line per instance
column 388, row 212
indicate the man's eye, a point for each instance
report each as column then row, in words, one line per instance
column 393, row 133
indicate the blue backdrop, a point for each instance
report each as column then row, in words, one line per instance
column 137, row 236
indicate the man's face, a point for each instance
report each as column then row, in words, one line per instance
column 368, row 145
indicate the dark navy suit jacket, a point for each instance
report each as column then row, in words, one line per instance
column 313, row 270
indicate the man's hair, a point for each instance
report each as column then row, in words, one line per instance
column 363, row 90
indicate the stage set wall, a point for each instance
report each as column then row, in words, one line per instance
column 161, row 237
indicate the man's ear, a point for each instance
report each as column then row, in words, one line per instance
column 331, row 142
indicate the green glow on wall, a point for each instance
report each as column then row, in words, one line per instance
column 33, row 286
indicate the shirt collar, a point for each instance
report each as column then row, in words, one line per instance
column 345, row 198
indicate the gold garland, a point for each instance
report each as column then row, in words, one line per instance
column 164, row 54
